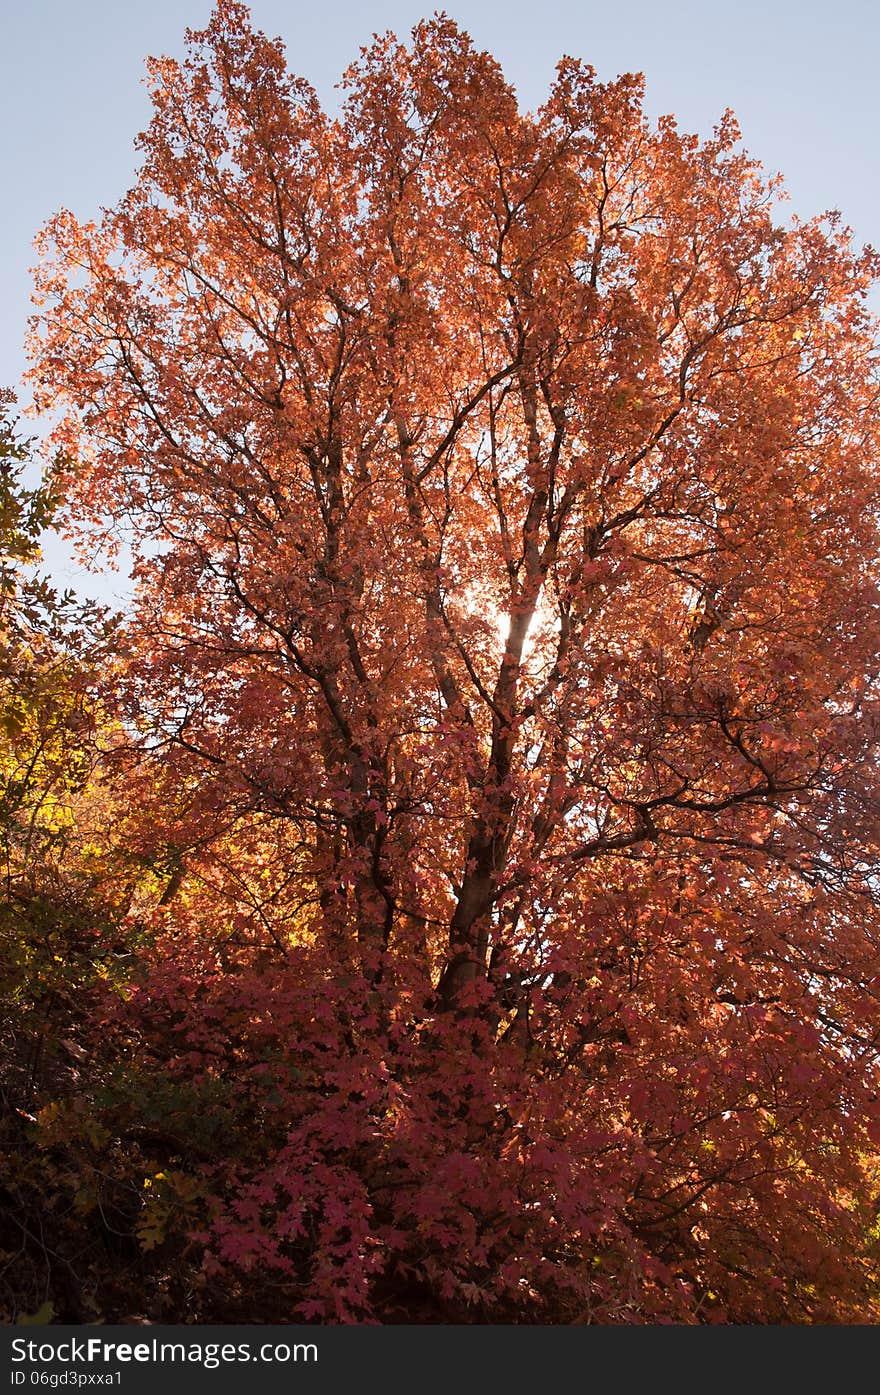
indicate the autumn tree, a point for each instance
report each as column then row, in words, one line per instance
column 61, row 896
column 503, row 489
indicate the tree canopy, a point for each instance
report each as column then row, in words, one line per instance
column 497, row 717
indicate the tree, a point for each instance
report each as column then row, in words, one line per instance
column 61, row 894
column 503, row 490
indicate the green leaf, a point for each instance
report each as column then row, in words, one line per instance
column 41, row 1318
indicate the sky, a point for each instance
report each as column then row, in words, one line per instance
column 799, row 74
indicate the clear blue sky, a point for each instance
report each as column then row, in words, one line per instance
column 801, row 76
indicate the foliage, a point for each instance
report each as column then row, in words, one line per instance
column 61, row 896
column 497, row 719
